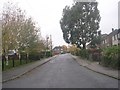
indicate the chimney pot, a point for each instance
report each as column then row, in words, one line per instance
column 112, row 29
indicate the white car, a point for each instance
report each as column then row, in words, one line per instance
column 11, row 52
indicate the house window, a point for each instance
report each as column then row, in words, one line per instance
column 114, row 37
column 118, row 35
column 105, row 41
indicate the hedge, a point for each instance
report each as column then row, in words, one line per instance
column 111, row 57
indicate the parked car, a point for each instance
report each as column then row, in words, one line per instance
column 12, row 54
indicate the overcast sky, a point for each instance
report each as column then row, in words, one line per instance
column 47, row 13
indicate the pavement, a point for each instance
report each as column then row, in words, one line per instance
column 96, row 67
column 62, row 72
column 17, row 72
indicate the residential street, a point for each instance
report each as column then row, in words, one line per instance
column 62, row 72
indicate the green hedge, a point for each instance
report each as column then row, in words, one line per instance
column 23, row 56
column 84, row 53
column 90, row 54
column 110, row 57
column 34, row 56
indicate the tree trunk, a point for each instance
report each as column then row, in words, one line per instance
column 84, row 46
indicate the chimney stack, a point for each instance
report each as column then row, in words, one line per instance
column 112, row 29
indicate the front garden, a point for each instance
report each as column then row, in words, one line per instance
column 108, row 57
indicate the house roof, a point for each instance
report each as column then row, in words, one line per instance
column 114, row 32
column 104, row 35
column 57, row 47
column 119, row 30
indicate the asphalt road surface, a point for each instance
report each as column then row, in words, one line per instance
column 62, row 72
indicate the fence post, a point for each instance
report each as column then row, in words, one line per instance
column 20, row 59
column 26, row 58
column 3, row 63
column 13, row 61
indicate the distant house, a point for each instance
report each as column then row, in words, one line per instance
column 104, row 43
column 57, row 50
column 119, row 14
column 105, row 40
column 114, row 34
column 111, row 39
column 119, row 36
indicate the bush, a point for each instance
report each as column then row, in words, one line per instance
column 23, row 55
column 42, row 54
column 94, row 54
column 84, row 53
column 45, row 54
column 48, row 53
column 34, row 56
column 77, row 52
column 111, row 57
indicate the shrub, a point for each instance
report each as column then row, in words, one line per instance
column 77, row 52
column 111, row 57
column 94, row 54
column 84, row 53
column 48, row 53
column 34, row 56
column 23, row 55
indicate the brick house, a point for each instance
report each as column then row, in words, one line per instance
column 57, row 50
column 111, row 39
column 105, row 40
column 115, row 35
column 119, row 36
column 119, row 23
